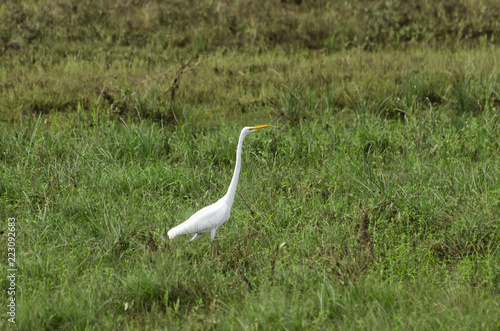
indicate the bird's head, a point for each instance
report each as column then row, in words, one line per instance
column 249, row 129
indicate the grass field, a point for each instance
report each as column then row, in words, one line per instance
column 372, row 201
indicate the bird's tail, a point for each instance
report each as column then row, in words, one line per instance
column 172, row 233
column 176, row 231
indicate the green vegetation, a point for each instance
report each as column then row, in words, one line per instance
column 372, row 202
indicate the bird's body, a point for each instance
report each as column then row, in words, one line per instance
column 205, row 220
column 210, row 218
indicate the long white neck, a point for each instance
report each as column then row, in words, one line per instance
column 234, row 182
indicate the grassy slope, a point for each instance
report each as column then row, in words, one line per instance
column 371, row 202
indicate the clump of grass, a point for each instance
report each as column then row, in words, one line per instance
column 297, row 104
column 469, row 93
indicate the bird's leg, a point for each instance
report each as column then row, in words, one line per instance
column 213, row 245
column 196, row 236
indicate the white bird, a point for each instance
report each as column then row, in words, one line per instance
column 211, row 217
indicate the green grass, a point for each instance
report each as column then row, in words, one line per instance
column 372, row 202
column 177, row 27
column 361, row 224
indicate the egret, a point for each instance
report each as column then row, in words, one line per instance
column 211, row 217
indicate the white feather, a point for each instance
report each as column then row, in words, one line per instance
column 211, row 217
column 204, row 220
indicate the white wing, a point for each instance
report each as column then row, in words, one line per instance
column 204, row 220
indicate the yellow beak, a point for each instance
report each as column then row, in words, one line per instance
column 258, row 127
